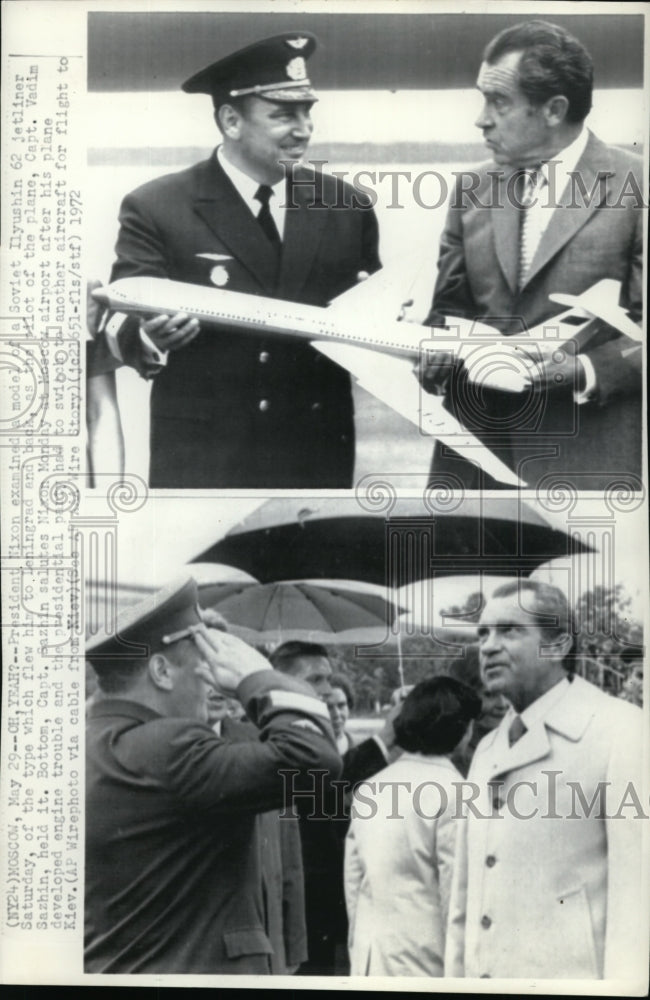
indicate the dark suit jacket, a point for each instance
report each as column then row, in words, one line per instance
column 234, row 409
column 282, row 873
column 173, row 879
column 323, row 842
column 599, row 235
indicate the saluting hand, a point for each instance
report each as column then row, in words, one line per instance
column 227, row 660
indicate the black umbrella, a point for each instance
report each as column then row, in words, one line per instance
column 394, row 543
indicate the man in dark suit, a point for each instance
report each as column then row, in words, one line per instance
column 232, row 409
column 554, row 212
column 173, row 858
column 324, row 820
column 281, row 858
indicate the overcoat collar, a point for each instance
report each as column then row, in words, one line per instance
column 569, row 716
column 220, row 206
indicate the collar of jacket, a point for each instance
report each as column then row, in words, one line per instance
column 122, row 706
column 224, row 211
column 569, row 716
column 574, row 209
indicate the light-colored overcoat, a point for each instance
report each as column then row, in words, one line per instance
column 398, row 864
column 548, row 885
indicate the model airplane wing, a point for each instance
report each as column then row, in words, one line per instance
column 388, row 293
column 392, row 381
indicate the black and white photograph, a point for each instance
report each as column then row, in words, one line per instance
column 477, row 179
column 301, row 749
column 323, row 468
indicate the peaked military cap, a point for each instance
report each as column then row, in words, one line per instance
column 274, row 68
column 150, row 625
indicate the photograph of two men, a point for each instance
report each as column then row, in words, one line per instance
column 366, row 244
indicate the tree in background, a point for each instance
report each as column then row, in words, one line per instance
column 609, row 641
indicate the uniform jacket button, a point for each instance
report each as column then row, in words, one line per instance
column 263, row 405
column 486, row 922
column 264, row 357
column 490, row 861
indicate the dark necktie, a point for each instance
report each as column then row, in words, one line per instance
column 516, row 730
column 264, row 194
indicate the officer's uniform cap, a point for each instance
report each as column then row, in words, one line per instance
column 273, row 68
column 151, row 625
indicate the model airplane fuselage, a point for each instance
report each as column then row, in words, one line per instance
column 255, row 314
column 357, row 332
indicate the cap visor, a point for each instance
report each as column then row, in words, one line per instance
column 292, row 94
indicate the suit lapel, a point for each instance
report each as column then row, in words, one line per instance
column 222, row 209
column 574, row 210
column 506, row 221
column 303, row 231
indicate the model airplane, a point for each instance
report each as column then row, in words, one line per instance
column 355, row 333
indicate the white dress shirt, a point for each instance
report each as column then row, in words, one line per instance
column 247, row 188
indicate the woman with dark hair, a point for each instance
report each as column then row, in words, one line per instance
column 400, row 847
column 340, row 702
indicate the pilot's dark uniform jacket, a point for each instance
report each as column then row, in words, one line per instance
column 172, row 859
column 233, row 409
column 173, row 856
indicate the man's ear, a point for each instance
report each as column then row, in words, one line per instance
column 562, row 644
column 228, row 121
column 555, row 110
column 160, row 672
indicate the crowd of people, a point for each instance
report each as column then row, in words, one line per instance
column 232, row 827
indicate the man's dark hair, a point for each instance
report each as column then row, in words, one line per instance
column 435, row 715
column 343, row 682
column 240, row 104
column 550, row 602
column 117, row 676
column 553, row 62
column 285, row 655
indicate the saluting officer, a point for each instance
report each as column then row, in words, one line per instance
column 174, row 880
column 231, row 409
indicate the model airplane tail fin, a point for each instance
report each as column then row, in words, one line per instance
column 601, row 301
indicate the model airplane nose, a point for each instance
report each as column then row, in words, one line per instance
column 100, row 295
